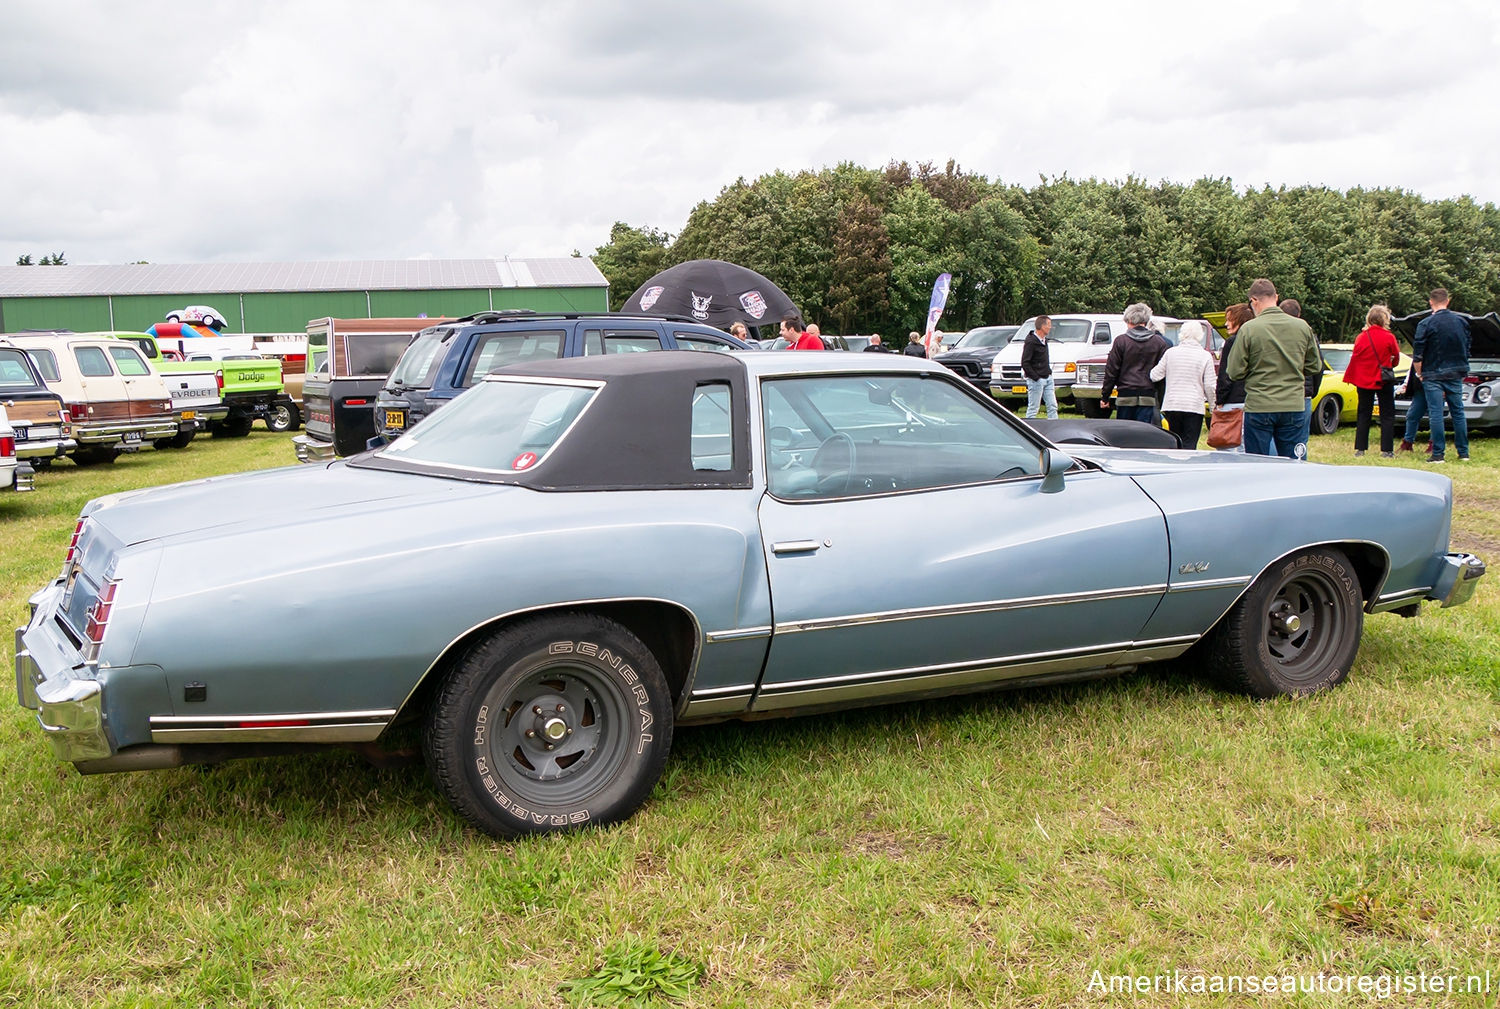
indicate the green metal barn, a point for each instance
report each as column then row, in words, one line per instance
column 282, row 297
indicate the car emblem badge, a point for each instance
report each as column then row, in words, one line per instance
column 525, row 460
column 753, row 303
column 1192, row 568
column 649, row 297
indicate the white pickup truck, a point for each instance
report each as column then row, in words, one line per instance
column 196, row 389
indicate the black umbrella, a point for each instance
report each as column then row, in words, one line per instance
column 711, row 291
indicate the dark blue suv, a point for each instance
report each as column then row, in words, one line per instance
column 448, row 358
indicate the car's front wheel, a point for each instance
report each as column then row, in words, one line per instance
column 1295, row 631
column 1325, row 419
column 553, row 723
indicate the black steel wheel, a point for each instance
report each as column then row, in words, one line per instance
column 551, row 724
column 1325, row 418
column 1296, row 630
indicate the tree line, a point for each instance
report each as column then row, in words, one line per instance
column 858, row 249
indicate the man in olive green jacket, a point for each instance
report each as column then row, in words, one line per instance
column 1273, row 353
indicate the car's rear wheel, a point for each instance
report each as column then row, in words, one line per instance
column 1325, row 419
column 231, row 427
column 95, row 455
column 284, row 417
column 551, row 724
column 1295, row 631
column 179, row 440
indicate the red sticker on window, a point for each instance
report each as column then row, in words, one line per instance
column 524, row 461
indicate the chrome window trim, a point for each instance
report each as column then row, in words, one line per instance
column 967, row 609
column 593, row 384
column 996, row 661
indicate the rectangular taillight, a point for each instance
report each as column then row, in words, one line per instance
column 98, row 620
column 78, row 411
column 219, row 378
column 7, row 445
column 73, row 545
column 356, row 402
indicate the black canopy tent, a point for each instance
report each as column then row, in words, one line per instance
column 711, row 291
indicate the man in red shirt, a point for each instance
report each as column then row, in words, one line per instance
column 791, row 329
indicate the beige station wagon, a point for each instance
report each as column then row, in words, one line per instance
column 113, row 397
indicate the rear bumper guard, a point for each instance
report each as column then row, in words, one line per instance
column 1460, row 577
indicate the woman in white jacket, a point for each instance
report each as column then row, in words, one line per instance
column 1189, row 373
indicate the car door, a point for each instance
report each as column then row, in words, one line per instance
column 912, row 549
column 144, row 389
column 103, row 388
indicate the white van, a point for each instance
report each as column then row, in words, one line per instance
column 1074, row 336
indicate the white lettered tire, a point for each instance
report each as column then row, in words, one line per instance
column 553, row 723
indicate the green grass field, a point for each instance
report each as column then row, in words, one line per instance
column 988, row 850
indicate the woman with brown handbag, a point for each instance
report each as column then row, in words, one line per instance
column 1226, row 424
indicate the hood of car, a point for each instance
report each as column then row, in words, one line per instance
column 977, row 354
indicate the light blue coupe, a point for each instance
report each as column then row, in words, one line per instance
column 550, row 573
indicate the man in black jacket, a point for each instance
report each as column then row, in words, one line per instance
column 1036, row 365
column 1131, row 358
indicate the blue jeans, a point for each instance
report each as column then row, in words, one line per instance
column 1414, row 413
column 1451, row 391
column 1144, row 414
column 1261, row 429
column 1041, row 390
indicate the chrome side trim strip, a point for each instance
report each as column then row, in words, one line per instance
column 1395, row 597
column 1212, row 583
column 1000, row 660
column 331, row 732
column 744, row 688
column 714, row 637
column 175, row 721
column 968, row 609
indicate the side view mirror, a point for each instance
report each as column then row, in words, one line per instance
column 1054, row 465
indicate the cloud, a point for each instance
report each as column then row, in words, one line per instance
column 179, row 132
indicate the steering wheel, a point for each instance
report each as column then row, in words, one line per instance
column 827, row 468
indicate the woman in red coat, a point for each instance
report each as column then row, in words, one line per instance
column 1374, row 349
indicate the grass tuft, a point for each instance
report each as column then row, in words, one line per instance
column 636, row 973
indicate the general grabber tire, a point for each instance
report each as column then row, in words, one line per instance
column 1295, row 631
column 551, row 724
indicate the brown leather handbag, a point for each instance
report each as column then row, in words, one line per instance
column 1226, row 428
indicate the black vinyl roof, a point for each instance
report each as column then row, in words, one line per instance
column 636, row 435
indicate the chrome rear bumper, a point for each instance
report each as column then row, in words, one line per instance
column 1460, row 577
column 311, row 449
column 70, row 711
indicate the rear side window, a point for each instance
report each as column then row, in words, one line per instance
column 92, row 362
column 713, row 442
column 128, row 361
column 45, row 363
column 14, row 374
column 496, row 350
column 693, row 341
column 1101, row 333
column 375, row 353
column 146, row 347
column 631, row 341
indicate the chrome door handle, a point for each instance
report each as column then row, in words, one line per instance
column 795, row 546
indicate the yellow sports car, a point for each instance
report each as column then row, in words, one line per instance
column 1337, row 400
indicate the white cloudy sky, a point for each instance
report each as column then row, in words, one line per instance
column 321, row 129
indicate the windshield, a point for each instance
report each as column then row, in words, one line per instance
column 1338, row 360
column 1063, row 331
column 500, row 425
column 989, row 336
column 419, row 362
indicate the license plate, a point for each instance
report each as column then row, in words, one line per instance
column 189, row 414
column 1018, row 388
column 132, row 437
column 395, row 419
column 22, row 434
